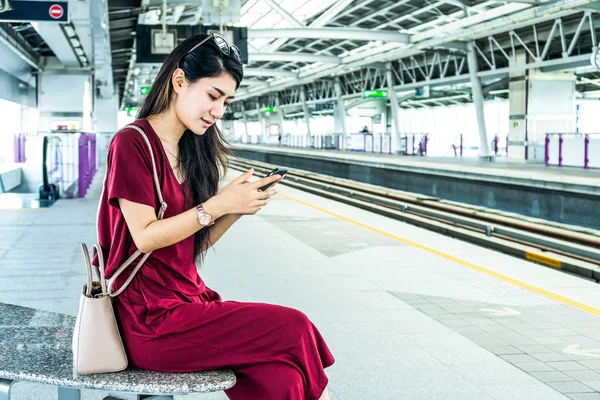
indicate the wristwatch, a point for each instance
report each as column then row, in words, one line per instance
column 204, row 218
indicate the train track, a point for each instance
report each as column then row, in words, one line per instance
column 568, row 248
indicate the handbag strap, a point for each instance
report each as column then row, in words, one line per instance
column 107, row 290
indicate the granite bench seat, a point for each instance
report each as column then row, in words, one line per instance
column 35, row 346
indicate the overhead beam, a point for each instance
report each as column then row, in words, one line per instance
column 532, row 15
column 251, row 82
column 330, row 14
column 269, row 72
column 329, row 33
column 286, row 15
column 294, row 57
column 458, row 3
column 320, row 22
column 177, row 13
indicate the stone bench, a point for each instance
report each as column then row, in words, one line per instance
column 35, row 346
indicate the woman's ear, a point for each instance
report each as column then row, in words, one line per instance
column 178, row 80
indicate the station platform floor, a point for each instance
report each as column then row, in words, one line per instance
column 407, row 313
column 500, row 169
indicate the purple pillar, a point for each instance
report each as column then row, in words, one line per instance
column 461, row 144
column 547, row 151
column 560, row 143
column 506, row 145
column 381, row 143
column 81, row 184
column 91, row 144
column 496, row 145
column 586, row 152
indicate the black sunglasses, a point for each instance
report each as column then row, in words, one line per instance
column 222, row 44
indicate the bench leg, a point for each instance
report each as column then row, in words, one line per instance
column 5, row 385
column 69, row 393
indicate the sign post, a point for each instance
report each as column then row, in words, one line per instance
column 27, row 11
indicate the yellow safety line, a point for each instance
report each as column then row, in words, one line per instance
column 531, row 288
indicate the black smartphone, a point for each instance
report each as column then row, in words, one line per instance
column 277, row 171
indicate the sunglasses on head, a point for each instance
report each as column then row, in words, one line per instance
column 222, row 44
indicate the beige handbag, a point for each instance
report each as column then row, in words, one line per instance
column 97, row 344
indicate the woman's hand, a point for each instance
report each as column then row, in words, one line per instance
column 243, row 197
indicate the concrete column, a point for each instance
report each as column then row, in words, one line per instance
column 281, row 115
column 261, row 121
column 396, row 144
column 340, row 111
column 306, row 113
column 245, row 118
column 517, row 104
column 484, row 145
column 550, row 109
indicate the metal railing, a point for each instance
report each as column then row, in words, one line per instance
column 572, row 150
column 87, row 162
column 70, row 158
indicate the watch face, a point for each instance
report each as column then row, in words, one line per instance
column 204, row 219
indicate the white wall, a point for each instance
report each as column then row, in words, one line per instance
column 10, row 115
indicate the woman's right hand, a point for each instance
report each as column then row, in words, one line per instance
column 243, row 197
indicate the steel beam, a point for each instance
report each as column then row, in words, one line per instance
column 395, row 109
column 286, row 15
column 261, row 121
column 295, row 57
column 245, row 118
column 341, row 109
column 526, row 17
column 329, row 14
column 15, row 48
column 484, row 145
column 329, row 33
column 306, row 113
column 269, row 72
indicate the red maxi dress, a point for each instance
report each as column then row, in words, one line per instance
column 172, row 322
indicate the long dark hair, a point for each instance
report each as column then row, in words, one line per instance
column 203, row 158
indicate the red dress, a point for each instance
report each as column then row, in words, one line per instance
column 172, row 322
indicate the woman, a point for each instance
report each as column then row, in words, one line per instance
column 169, row 319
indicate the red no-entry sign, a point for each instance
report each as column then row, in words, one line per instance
column 39, row 10
column 56, row 11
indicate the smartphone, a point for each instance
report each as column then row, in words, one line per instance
column 279, row 171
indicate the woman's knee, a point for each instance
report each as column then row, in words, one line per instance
column 289, row 383
column 296, row 319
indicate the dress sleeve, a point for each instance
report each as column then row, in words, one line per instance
column 129, row 170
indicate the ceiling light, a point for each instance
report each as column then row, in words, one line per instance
column 69, row 30
column 79, row 52
column 75, row 42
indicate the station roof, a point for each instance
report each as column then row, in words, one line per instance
column 307, row 43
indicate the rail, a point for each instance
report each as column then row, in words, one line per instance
column 569, row 248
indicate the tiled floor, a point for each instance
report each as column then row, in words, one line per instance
column 403, row 322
